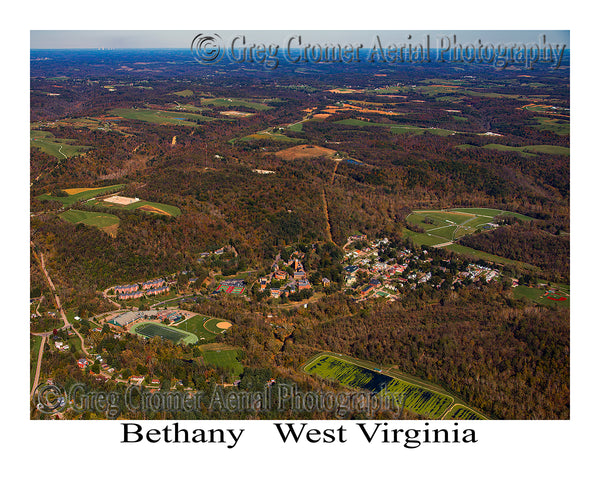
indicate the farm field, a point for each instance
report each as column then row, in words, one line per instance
column 460, row 412
column 184, row 93
column 556, row 125
column 103, row 221
column 527, row 150
column 305, row 151
column 551, row 295
column 161, row 116
column 450, row 225
column 396, row 128
column 267, row 135
column 236, row 102
column 60, row 148
column 420, row 398
column 80, row 194
column 150, row 330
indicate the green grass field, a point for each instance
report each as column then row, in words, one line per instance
column 161, row 116
column 35, row 350
column 170, row 209
column 453, row 224
column 420, row 397
column 395, row 128
column 71, row 199
column 556, row 125
column 60, row 148
column 538, row 295
column 93, row 219
column 235, row 102
column 150, row 330
column 195, row 325
column 264, row 135
column 527, row 150
column 488, row 257
column 184, row 93
column 223, row 356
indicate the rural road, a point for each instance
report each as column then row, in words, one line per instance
column 39, row 366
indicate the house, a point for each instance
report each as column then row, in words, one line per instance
column 82, row 362
column 126, row 288
column 325, row 281
column 131, row 296
column 152, row 284
column 158, row 291
column 276, row 292
column 299, row 274
column 263, row 283
column 303, row 285
column 280, row 275
column 366, row 290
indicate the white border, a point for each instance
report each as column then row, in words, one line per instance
column 552, row 449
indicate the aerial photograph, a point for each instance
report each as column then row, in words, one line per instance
column 310, row 225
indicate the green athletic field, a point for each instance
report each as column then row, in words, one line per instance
column 195, row 325
column 93, row 219
column 85, row 195
column 175, row 335
column 224, row 357
column 540, row 295
column 170, row 209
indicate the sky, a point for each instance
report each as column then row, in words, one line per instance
column 68, row 39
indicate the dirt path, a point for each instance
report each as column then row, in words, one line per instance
column 326, row 211
column 105, row 295
column 40, row 258
column 39, row 366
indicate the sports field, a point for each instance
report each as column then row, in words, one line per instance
column 196, row 326
column 60, row 148
column 143, row 206
column 558, row 294
column 94, row 219
column 80, row 194
column 175, row 335
column 221, row 355
column 442, row 226
column 230, row 289
column 431, row 402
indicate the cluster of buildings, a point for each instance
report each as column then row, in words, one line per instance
column 297, row 280
column 385, row 275
column 133, row 291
